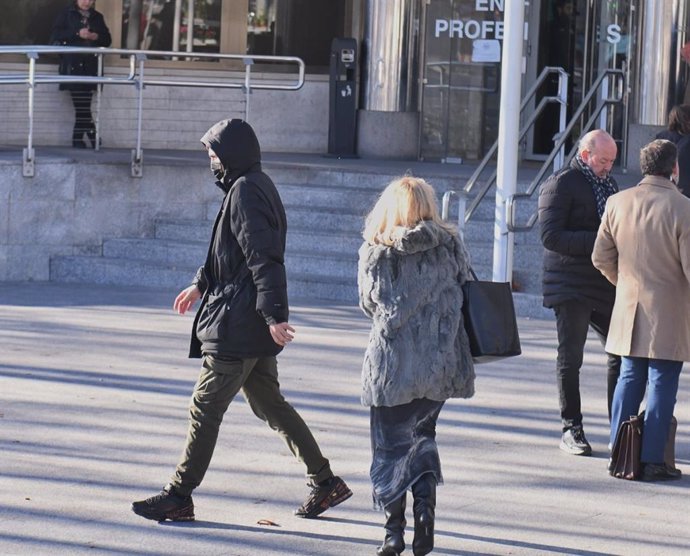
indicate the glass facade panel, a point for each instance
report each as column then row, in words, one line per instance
column 303, row 28
column 461, row 78
column 28, row 22
column 585, row 39
column 178, row 25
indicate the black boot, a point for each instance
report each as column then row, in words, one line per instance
column 424, row 492
column 394, row 544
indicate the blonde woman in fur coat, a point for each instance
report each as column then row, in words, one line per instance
column 411, row 269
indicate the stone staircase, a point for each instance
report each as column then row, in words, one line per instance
column 325, row 211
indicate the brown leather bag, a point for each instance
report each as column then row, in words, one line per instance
column 625, row 456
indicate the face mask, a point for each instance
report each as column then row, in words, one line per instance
column 217, row 169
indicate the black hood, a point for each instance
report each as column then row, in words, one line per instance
column 237, row 148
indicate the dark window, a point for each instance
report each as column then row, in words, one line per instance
column 28, row 22
column 165, row 25
column 303, row 28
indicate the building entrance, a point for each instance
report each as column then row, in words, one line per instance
column 584, row 37
column 462, row 69
column 461, row 78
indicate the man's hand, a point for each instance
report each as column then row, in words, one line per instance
column 185, row 299
column 87, row 34
column 282, row 333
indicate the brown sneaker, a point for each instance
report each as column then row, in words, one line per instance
column 323, row 497
column 166, row 505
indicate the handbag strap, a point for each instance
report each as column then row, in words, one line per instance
column 473, row 274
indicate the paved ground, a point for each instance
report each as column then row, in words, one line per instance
column 94, row 385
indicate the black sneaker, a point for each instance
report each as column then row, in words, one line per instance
column 324, row 496
column 574, row 442
column 166, row 505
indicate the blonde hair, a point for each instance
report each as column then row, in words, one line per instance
column 404, row 203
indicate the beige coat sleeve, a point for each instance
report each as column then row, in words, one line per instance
column 605, row 253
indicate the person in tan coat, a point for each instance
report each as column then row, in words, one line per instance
column 643, row 248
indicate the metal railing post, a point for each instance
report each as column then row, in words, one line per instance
column 562, row 118
column 99, row 90
column 445, row 208
column 28, row 167
column 137, row 154
column 603, row 117
column 248, row 63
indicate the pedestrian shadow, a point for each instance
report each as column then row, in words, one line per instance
column 277, row 530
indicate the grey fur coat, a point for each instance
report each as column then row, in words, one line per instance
column 418, row 347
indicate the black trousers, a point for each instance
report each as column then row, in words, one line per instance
column 573, row 318
column 83, row 119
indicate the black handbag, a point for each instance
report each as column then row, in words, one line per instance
column 490, row 323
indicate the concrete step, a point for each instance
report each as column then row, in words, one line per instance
column 119, row 271
column 165, row 251
column 131, row 272
column 328, row 197
column 184, row 230
column 365, row 180
column 331, row 221
column 325, row 265
column 326, row 211
column 304, row 243
column 306, row 286
column 318, row 241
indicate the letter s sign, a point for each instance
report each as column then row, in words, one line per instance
column 613, row 33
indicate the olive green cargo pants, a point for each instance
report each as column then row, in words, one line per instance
column 219, row 382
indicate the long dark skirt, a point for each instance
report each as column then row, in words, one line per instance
column 403, row 446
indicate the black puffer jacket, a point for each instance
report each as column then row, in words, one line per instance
column 569, row 223
column 66, row 32
column 243, row 280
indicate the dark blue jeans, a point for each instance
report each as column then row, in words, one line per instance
column 660, row 377
column 573, row 319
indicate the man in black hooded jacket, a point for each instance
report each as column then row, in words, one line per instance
column 240, row 327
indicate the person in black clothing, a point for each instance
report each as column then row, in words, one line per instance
column 81, row 25
column 571, row 203
column 678, row 132
column 240, row 327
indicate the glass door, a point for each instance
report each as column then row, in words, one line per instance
column 461, row 78
column 584, row 37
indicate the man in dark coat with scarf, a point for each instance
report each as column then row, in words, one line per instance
column 240, row 327
column 571, row 203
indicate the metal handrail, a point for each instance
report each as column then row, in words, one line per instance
column 445, row 207
column 143, row 55
column 137, row 78
column 561, row 99
column 511, row 216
